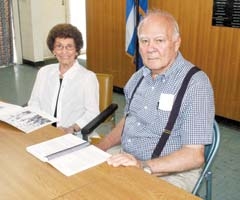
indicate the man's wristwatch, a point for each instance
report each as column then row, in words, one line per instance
column 146, row 167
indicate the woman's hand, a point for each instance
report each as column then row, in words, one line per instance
column 66, row 129
column 71, row 129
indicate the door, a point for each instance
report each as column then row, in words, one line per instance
column 32, row 22
column 54, row 13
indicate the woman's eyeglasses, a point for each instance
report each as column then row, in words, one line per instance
column 60, row 47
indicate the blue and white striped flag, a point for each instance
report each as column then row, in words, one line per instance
column 131, row 26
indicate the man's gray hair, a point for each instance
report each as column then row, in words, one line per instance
column 164, row 14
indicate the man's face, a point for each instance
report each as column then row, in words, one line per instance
column 157, row 44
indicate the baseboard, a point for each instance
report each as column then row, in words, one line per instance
column 117, row 89
column 228, row 122
column 40, row 63
column 35, row 64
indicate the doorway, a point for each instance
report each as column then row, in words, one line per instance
column 77, row 17
column 70, row 11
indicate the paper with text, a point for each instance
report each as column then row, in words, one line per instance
column 26, row 119
column 68, row 153
column 47, row 148
column 79, row 160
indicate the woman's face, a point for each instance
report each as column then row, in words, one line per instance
column 65, row 51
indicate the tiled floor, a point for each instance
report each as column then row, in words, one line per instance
column 16, row 85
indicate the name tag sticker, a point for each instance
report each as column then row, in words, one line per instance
column 166, row 102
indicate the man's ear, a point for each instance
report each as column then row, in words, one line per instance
column 177, row 43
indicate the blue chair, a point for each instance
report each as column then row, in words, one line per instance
column 206, row 175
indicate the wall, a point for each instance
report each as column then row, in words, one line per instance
column 216, row 50
column 26, row 30
column 106, row 40
column 36, row 19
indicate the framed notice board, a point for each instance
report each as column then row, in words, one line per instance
column 226, row 13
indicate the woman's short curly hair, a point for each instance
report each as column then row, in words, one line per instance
column 65, row 31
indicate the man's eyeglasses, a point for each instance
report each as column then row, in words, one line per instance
column 60, row 47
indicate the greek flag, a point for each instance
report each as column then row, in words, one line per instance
column 135, row 9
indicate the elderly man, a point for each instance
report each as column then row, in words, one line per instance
column 148, row 110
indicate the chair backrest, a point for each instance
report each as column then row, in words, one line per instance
column 105, row 90
column 211, row 149
column 210, row 152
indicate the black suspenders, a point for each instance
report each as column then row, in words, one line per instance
column 135, row 89
column 174, row 112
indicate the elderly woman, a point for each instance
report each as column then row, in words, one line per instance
column 66, row 89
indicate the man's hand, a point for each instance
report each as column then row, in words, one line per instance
column 123, row 159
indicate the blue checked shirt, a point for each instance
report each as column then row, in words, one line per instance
column 151, row 105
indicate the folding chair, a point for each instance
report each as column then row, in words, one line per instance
column 206, row 175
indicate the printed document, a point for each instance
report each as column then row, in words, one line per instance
column 69, row 154
column 26, row 119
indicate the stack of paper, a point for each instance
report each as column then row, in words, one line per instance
column 69, row 154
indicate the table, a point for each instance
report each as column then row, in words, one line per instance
column 25, row 177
